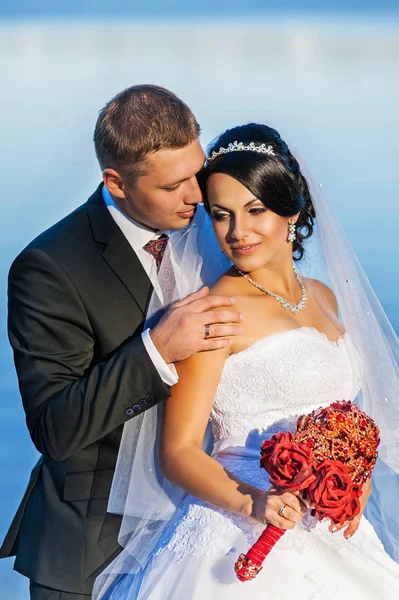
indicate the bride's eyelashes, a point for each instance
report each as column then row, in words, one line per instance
column 221, row 215
column 257, row 211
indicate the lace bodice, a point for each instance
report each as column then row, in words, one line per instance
column 266, row 386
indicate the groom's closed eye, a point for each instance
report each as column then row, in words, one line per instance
column 172, row 188
column 173, row 185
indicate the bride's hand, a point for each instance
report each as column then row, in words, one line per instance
column 281, row 509
column 352, row 526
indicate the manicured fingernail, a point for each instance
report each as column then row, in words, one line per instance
column 241, row 316
column 334, row 529
column 232, row 299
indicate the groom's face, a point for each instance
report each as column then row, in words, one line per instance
column 165, row 198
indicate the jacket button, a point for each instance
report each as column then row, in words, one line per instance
column 149, row 399
column 136, row 407
column 129, row 412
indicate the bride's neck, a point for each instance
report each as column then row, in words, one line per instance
column 279, row 279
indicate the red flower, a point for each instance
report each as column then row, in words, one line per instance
column 289, row 464
column 333, row 494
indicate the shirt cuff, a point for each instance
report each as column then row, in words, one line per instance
column 167, row 373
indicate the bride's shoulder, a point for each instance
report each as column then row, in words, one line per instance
column 223, row 285
column 322, row 293
column 228, row 285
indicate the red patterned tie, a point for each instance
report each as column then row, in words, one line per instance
column 166, row 277
column 157, row 248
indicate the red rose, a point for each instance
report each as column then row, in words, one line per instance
column 289, row 464
column 333, row 494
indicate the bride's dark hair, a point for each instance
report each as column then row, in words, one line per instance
column 275, row 179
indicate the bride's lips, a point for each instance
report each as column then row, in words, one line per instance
column 244, row 249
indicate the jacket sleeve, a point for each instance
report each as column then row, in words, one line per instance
column 69, row 400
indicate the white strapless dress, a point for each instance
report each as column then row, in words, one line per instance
column 262, row 391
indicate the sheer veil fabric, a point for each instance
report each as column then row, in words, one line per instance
column 145, row 498
column 140, row 492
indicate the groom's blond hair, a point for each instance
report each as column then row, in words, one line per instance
column 139, row 121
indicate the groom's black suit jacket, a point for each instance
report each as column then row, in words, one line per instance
column 77, row 301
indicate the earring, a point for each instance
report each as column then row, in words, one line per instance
column 291, row 237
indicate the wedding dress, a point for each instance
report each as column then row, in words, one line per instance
column 262, row 391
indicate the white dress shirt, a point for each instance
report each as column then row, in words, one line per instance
column 138, row 236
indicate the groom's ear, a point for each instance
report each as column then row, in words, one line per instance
column 114, row 183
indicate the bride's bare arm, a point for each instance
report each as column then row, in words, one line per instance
column 185, row 464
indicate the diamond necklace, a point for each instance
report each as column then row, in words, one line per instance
column 294, row 308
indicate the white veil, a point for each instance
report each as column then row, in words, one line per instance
column 139, row 491
column 378, row 345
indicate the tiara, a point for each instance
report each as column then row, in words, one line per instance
column 239, row 146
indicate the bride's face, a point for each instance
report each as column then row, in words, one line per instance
column 248, row 233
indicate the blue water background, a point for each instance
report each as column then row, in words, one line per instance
column 330, row 85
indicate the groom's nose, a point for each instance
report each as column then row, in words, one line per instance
column 193, row 193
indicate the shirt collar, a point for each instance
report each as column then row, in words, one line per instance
column 138, row 235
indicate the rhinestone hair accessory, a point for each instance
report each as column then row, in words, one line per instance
column 239, row 147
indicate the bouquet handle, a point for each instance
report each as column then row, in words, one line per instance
column 248, row 565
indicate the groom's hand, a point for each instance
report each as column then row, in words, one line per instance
column 198, row 322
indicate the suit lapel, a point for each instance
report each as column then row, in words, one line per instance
column 124, row 262
column 118, row 253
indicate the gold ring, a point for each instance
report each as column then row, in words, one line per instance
column 281, row 511
column 207, row 331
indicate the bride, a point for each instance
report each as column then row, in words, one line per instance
column 302, row 346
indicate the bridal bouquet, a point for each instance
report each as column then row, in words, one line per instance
column 329, row 458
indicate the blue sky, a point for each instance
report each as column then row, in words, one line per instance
column 174, row 8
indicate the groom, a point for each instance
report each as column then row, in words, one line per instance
column 78, row 296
